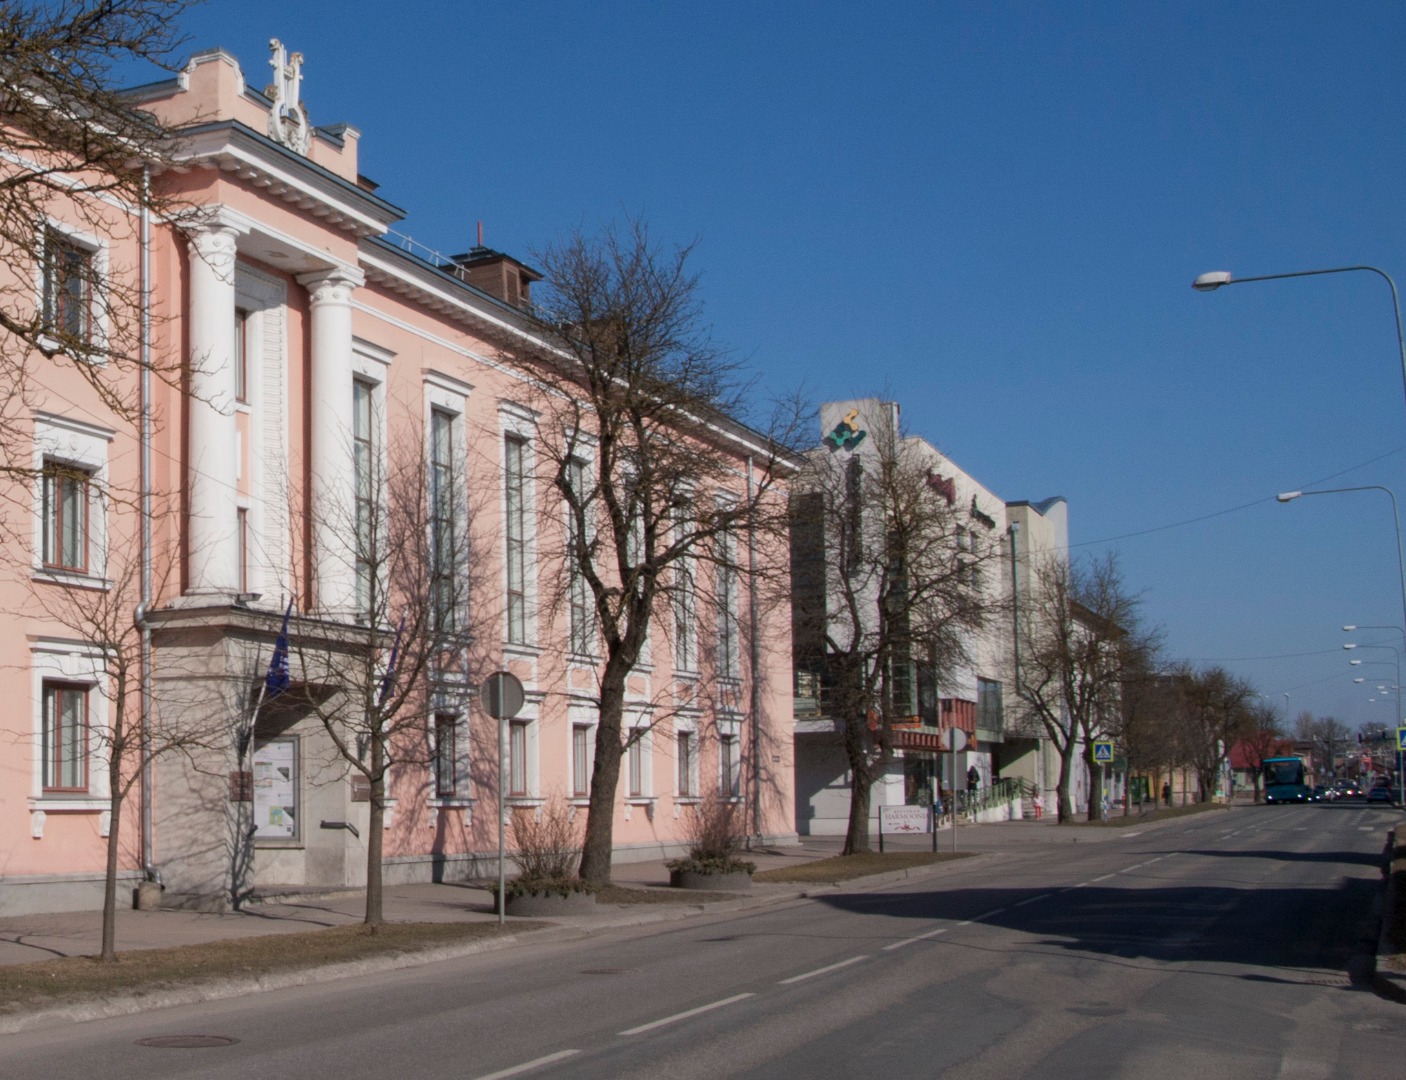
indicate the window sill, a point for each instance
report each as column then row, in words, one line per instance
column 579, row 800
column 641, row 800
column 75, row 578
column 524, row 800
column 451, row 802
column 522, row 649
column 59, row 804
column 687, row 800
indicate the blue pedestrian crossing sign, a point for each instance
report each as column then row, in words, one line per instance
column 1401, row 738
column 1103, row 750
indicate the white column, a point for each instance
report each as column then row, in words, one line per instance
column 212, row 465
column 333, row 493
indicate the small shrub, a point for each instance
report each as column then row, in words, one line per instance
column 547, row 853
column 716, row 831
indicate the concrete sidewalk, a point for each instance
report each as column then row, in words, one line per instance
column 27, row 938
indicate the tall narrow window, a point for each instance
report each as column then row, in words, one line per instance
column 446, row 754
column 517, row 758
column 241, row 355
column 65, row 737
column 65, row 509
column 685, row 605
column 363, row 467
column 442, row 517
column 68, row 287
column 686, row 742
column 241, row 518
column 515, row 538
column 727, row 660
column 729, row 766
column 635, row 761
column 581, row 610
column 580, row 760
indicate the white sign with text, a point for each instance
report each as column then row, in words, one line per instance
column 903, row 819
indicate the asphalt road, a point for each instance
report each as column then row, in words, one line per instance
column 1228, row 944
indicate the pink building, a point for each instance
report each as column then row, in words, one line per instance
column 312, row 347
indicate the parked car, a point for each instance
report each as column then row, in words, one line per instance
column 1380, row 793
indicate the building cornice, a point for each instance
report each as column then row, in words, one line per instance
column 233, row 148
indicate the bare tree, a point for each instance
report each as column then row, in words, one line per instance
column 74, row 190
column 379, row 683
column 125, row 735
column 1327, row 736
column 1217, row 715
column 1263, row 737
column 1146, row 726
column 1080, row 640
column 657, row 482
column 888, row 581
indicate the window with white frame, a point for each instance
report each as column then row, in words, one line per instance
column 70, row 287
column 727, row 659
column 685, row 602
column 241, row 355
column 446, row 755
column 686, row 753
column 639, row 761
column 515, row 534
column 69, row 736
column 730, row 763
column 70, row 460
column 519, row 765
column 444, row 524
column 364, row 483
column 65, row 738
column 580, row 760
column 67, row 495
column 445, row 452
column 581, row 609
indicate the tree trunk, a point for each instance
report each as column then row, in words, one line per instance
column 109, row 943
column 376, row 831
column 1064, row 805
column 605, row 779
column 1095, row 808
column 861, row 788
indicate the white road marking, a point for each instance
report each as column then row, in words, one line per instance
column 822, row 971
column 1042, row 896
column 528, row 1065
column 683, row 1015
column 920, row 937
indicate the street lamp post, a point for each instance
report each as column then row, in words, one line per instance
column 1215, row 279
column 1290, row 496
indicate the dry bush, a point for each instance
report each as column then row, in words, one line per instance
column 716, row 831
column 548, row 848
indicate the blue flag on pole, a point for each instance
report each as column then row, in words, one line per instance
column 278, row 677
column 388, row 680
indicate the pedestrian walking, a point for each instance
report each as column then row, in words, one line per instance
column 1167, row 792
column 1039, row 806
column 973, row 779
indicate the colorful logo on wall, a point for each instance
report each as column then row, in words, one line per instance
column 847, row 434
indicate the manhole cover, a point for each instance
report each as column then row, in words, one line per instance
column 191, row 1042
column 609, row 971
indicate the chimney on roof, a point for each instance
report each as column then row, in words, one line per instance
column 496, row 274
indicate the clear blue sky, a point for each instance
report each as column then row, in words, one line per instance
column 991, row 214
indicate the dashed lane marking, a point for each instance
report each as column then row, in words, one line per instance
column 681, row 1016
column 822, row 971
column 527, row 1066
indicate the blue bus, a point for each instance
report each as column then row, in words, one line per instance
column 1283, row 780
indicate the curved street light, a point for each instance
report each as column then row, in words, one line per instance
column 1216, row 279
column 1290, row 496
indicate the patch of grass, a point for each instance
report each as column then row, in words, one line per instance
column 848, row 867
column 1161, row 814
column 74, row 978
